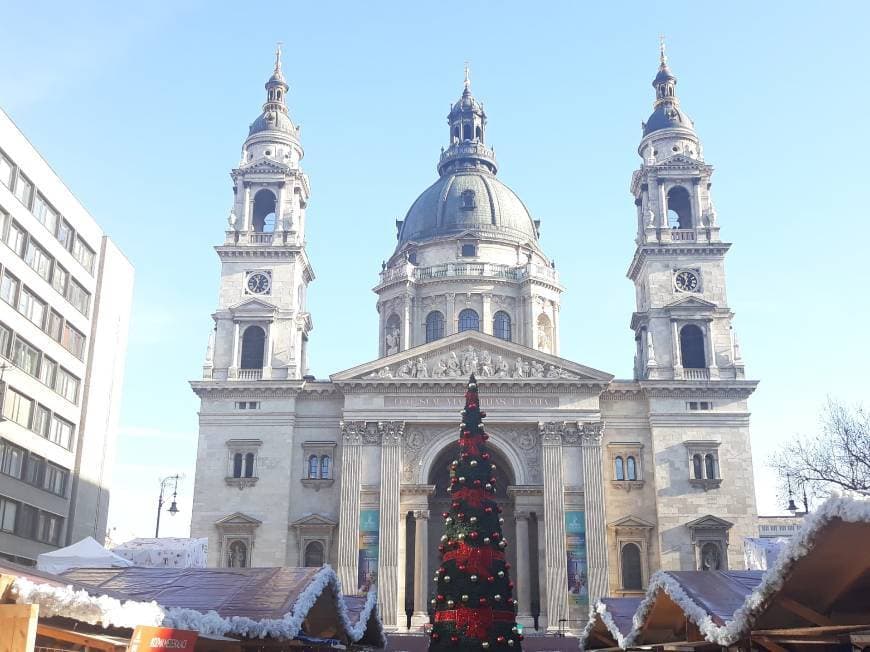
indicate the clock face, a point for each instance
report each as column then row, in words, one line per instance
column 259, row 283
column 686, row 281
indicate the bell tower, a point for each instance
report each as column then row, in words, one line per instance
column 262, row 323
column 682, row 324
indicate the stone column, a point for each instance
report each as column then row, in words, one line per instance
column 663, row 205
column 593, row 496
column 408, row 318
column 421, row 566
column 713, row 368
column 451, row 325
column 696, row 203
column 247, row 214
column 348, row 521
column 524, row 576
column 556, row 572
column 676, row 357
column 486, row 318
column 233, row 371
column 555, row 328
column 388, row 536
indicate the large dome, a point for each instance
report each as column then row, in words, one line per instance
column 468, row 200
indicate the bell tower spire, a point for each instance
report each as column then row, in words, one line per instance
column 467, row 121
column 682, row 323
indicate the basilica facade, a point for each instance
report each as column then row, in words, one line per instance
column 602, row 481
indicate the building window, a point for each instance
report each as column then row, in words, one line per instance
column 17, row 407
column 9, row 289
column 55, row 479
column 711, row 556
column 632, row 572
column 24, row 190
column 54, row 328
column 5, row 341
column 242, row 462
column 237, row 465
column 11, row 459
column 79, row 296
column 38, row 259
column 704, row 468
column 434, row 326
column 66, row 235
column 619, row 469
column 247, row 405
column 318, row 457
column 249, row 465
column 710, row 466
column 324, row 467
column 692, row 347
column 7, row 170
column 25, row 357
column 16, row 238
column 43, row 212
column 468, row 251
column 631, row 468
column 32, row 307
column 84, row 254
column 61, row 432
column 699, row 405
column 697, row 468
column 237, row 555
column 42, row 421
column 253, row 348
column 59, row 279
column 314, row 554
column 8, row 510
column 501, row 325
column 67, row 385
column 468, row 201
column 468, row 320
column 313, row 467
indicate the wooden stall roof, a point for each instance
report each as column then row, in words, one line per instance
column 610, row 620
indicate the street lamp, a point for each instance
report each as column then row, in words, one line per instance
column 791, row 506
column 173, row 508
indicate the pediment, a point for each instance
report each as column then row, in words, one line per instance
column 457, row 356
column 632, row 521
column 709, row 522
column 253, row 308
column 264, row 166
column 692, row 302
column 313, row 520
column 238, row 518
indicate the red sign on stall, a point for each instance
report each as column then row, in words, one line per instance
column 161, row 639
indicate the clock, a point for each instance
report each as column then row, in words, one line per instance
column 259, row 282
column 686, row 281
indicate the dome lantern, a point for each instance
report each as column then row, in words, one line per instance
column 467, row 121
column 666, row 108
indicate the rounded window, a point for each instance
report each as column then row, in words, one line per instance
column 501, row 325
column 469, row 320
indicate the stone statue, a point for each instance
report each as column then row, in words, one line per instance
column 650, row 352
column 209, row 352
column 552, row 371
column 486, row 369
column 469, row 361
column 385, row 372
column 392, row 341
column 232, row 220
column 518, row 368
column 405, row 370
column 453, row 368
column 649, row 217
column 439, row 370
column 537, row 370
column 501, row 368
column 420, row 370
column 544, row 341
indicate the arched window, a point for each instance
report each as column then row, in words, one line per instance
column 501, row 325
column 312, row 467
column 632, row 574
column 710, row 466
column 237, row 555
column 237, row 465
column 619, row 469
column 324, row 467
column 466, row 132
column 631, row 468
column 468, row 320
column 456, row 132
column 393, row 335
column 697, row 467
column 679, row 208
column 263, row 220
column 545, row 334
column 249, row 465
column 477, row 133
column 692, row 347
column 314, row 554
column 434, row 326
column 253, row 348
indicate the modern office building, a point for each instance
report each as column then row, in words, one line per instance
column 65, row 298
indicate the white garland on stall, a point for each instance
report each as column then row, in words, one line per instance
column 848, row 507
column 80, row 605
column 599, row 609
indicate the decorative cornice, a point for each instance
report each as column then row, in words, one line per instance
column 245, row 389
column 738, row 389
column 571, row 433
column 455, row 386
column 708, row 250
column 377, row 433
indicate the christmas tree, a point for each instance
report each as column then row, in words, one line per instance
column 473, row 601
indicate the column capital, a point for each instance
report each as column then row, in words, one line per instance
column 551, row 432
column 391, row 432
column 591, row 434
column 421, row 514
column 352, row 432
column 521, row 515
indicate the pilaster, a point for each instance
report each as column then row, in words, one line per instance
column 593, row 491
column 524, row 576
column 348, row 529
column 388, row 539
column 554, row 532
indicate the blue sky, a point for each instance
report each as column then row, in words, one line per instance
column 142, row 111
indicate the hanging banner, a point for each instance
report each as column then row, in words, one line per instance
column 369, row 523
column 578, row 579
column 161, row 639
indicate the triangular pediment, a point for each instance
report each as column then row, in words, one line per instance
column 632, row 521
column 457, row 356
column 253, row 308
column 238, row 518
column 709, row 522
column 691, row 301
column 264, row 166
column 313, row 520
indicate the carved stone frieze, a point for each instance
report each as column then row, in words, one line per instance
column 571, row 433
column 377, row 433
column 525, row 442
column 478, row 360
column 391, row 432
column 412, row 448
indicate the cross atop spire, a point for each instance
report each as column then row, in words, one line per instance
column 663, row 58
column 467, row 82
column 278, row 58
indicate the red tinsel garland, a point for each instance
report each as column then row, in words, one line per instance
column 475, row 621
column 477, row 560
